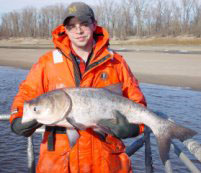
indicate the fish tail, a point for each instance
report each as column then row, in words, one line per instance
column 165, row 136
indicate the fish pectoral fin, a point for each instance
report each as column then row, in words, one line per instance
column 75, row 124
column 64, row 123
column 73, row 135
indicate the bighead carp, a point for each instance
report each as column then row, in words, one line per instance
column 82, row 108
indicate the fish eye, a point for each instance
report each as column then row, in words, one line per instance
column 35, row 109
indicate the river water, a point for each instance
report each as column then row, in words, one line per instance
column 180, row 104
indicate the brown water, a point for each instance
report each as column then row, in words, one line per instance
column 180, row 104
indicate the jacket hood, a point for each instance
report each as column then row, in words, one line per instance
column 61, row 39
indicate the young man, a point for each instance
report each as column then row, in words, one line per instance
column 81, row 59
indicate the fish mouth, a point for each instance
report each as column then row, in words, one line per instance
column 25, row 117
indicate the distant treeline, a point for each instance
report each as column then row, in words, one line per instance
column 122, row 18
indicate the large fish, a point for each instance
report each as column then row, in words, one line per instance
column 82, row 108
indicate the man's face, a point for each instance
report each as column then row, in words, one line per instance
column 80, row 33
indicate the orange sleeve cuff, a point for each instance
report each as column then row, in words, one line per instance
column 141, row 126
column 17, row 114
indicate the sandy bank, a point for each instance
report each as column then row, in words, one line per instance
column 173, row 69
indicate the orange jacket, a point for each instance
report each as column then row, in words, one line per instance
column 56, row 69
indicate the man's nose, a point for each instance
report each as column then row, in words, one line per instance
column 79, row 29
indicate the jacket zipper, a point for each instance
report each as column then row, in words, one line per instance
column 77, row 73
column 96, row 64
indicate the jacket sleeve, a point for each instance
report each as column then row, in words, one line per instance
column 31, row 87
column 130, row 84
column 131, row 87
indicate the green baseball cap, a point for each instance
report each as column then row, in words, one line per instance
column 80, row 10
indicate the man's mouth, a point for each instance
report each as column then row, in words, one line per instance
column 80, row 38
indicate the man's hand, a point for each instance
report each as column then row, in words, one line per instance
column 25, row 129
column 120, row 128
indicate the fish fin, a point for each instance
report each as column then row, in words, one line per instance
column 164, row 148
column 104, row 129
column 75, row 124
column 115, row 88
column 174, row 131
column 73, row 135
column 64, row 123
column 103, row 125
column 101, row 135
column 182, row 133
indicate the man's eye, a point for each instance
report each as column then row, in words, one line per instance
column 71, row 27
column 85, row 24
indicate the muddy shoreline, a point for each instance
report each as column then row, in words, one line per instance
column 172, row 66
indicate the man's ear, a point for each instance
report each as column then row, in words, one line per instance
column 95, row 25
column 95, row 22
column 66, row 31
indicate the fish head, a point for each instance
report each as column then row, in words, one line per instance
column 49, row 108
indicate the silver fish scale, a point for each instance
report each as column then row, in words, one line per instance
column 90, row 105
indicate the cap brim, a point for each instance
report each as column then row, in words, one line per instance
column 81, row 18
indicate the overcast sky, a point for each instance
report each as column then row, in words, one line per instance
column 10, row 5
